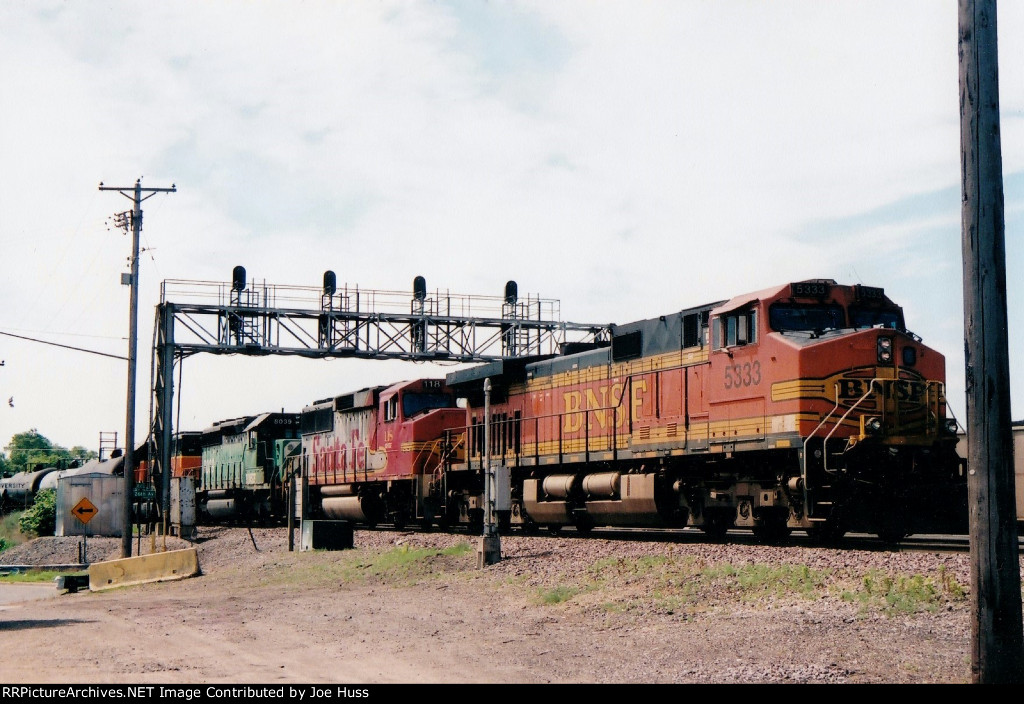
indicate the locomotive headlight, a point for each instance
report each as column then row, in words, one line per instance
column 952, row 426
column 884, row 350
column 873, row 426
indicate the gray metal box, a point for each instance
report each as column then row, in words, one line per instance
column 326, row 535
column 502, row 488
column 183, row 507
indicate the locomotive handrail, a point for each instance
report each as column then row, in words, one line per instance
column 850, row 410
column 824, row 444
column 611, row 439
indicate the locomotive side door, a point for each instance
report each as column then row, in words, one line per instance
column 737, row 399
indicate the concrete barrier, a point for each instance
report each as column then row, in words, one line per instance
column 157, row 567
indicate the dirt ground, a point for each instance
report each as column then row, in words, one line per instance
column 414, row 608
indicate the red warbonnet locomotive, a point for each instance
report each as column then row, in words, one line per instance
column 805, row 406
column 380, row 454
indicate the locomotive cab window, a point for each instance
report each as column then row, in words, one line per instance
column 391, row 409
column 863, row 317
column 804, row 317
column 734, row 329
column 414, row 403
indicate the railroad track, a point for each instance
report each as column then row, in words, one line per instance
column 851, row 541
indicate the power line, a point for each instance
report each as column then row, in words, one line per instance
column 67, row 347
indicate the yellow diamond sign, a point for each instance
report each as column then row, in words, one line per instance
column 84, row 510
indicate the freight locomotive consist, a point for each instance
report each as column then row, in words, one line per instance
column 805, row 406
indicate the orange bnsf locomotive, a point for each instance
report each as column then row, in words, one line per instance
column 808, row 405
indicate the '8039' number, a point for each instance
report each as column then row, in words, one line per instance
column 746, row 374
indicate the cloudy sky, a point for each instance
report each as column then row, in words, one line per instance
column 627, row 157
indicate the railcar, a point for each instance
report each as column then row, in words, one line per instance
column 18, row 491
column 186, row 458
column 808, row 405
column 1017, row 435
column 379, row 455
column 244, row 464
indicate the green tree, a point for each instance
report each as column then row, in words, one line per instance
column 30, row 449
column 82, row 454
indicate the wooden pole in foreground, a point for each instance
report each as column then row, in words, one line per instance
column 997, row 652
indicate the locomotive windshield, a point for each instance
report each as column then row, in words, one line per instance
column 799, row 317
column 418, row 403
column 870, row 317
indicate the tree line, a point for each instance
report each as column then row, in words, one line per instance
column 29, row 450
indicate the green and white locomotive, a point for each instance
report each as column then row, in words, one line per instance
column 245, row 467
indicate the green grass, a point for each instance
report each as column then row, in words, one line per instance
column 31, row 576
column 905, row 594
column 755, row 581
column 557, row 595
column 10, row 530
column 404, row 560
column 687, row 586
column 396, row 566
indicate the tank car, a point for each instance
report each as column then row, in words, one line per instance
column 808, row 405
column 111, row 466
column 243, row 473
column 18, row 491
column 378, row 455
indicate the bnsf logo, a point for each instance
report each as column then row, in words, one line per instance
column 904, row 390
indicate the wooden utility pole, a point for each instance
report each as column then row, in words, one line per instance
column 133, row 193
column 997, row 653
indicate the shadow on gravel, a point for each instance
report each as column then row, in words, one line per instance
column 26, row 624
column 525, row 555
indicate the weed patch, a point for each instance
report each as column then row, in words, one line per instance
column 905, row 594
column 557, row 595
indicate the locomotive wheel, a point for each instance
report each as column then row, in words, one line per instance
column 826, row 533
column 554, row 528
column 529, row 527
column 892, row 534
column 772, row 531
column 717, row 523
column 891, row 522
column 584, row 525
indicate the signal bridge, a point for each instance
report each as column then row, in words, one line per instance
column 263, row 319
column 328, row 322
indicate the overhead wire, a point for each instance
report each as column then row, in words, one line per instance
column 67, row 347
